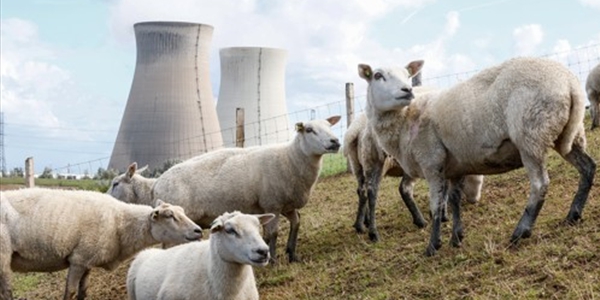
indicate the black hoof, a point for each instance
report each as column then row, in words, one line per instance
column 573, row 218
column 520, row 234
column 359, row 228
column 374, row 237
column 420, row 223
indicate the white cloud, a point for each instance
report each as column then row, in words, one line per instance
column 324, row 38
column 591, row 3
column 527, row 38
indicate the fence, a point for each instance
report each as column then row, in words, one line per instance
column 580, row 61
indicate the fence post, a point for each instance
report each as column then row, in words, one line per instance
column 239, row 128
column 349, row 111
column 29, row 173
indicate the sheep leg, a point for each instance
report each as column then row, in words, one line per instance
column 438, row 190
column 594, row 97
column 373, row 180
column 271, row 237
column 406, row 193
column 5, row 258
column 81, row 294
column 294, row 218
column 454, row 199
column 74, row 277
column 362, row 204
column 587, row 169
column 538, row 187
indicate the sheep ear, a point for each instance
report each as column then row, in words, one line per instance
column 334, row 119
column 265, row 218
column 154, row 215
column 414, row 67
column 131, row 170
column 299, row 127
column 216, row 225
column 365, row 72
column 158, row 203
column 139, row 171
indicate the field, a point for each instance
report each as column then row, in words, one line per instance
column 557, row 262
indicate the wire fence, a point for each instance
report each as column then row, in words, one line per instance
column 281, row 128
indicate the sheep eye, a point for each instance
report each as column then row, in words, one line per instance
column 309, row 130
column 231, row 231
column 114, row 185
column 378, row 76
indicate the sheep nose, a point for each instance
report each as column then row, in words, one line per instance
column 198, row 231
column 406, row 90
column 262, row 252
column 335, row 142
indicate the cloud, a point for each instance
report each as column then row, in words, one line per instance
column 324, row 39
column 591, row 3
column 527, row 38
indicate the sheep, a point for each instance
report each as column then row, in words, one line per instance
column 46, row 230
column 132, row 187
column 369, row 162
column 274, row 179
column 505, row 117
column 217, row 268
column 592, row 86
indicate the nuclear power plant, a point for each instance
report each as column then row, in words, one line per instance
column 170, row 112
column 253, row 78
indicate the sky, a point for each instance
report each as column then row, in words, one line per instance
column 67, row 65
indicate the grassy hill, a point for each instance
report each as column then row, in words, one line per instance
column 557, row 262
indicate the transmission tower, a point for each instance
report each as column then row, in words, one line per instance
column 2, row 153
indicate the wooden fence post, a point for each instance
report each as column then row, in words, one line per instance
column 29, row 173
column 349, row 112
column 239, row 131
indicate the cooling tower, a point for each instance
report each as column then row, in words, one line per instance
column 170, row 113
column 253, row 78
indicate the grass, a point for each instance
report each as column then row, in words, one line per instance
column 557, row 262
column 83, row 184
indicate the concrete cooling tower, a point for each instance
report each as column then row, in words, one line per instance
column 253, row 78
column 170, row 113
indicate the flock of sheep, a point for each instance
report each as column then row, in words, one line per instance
column 504, row 118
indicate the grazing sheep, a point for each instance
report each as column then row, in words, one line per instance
column 132, row 187
column 503, row 118
column 46, row 230
column 592, row 86
column 369, row 163
column 217, row 268
column 274, row 179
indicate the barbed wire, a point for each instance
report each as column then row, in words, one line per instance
column 280, row 128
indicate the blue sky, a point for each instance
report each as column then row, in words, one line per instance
column 67, row 65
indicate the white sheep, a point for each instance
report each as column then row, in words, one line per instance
column 217, row 268
column 132, row 187
column 46, row 230
column 592, row 86
column 369, row 163
column 274, row 179
column 503, row 118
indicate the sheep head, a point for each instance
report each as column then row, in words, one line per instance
column 390, row 88
column 170, row 225
column 316, row 137
column 237, row 238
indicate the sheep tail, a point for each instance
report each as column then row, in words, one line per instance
column 573, row 132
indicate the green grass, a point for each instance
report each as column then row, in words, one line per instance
column 333, row 164
column 83, row 184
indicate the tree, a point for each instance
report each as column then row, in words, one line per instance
column 47, row 173
column 17, row 172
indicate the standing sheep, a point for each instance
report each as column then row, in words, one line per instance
column 46, row 230
column 218, row 268
column 369, row 163
column 274, row 179
column 132, row 187
column 503, row 118
column 592, row 86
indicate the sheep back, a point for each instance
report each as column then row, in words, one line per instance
column 43, row 243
